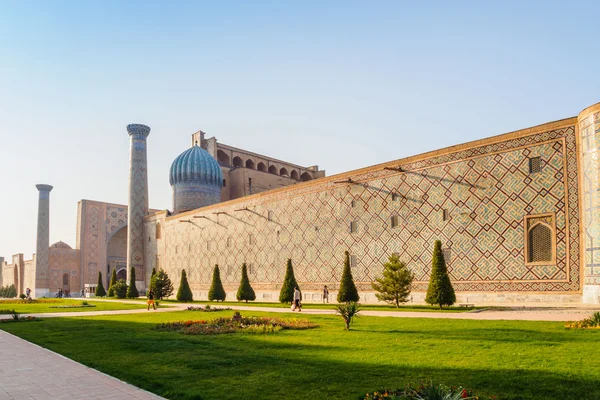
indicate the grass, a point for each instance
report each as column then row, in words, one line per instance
column 510, row 359
column 331, row 306
column 46, row 307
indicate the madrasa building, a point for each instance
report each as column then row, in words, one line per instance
column 518, row 215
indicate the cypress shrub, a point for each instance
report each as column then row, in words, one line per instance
column 132, row 291
column 216, row 292
column 113, row 280
column 153, row 273
column 184, row 293
column 440, row 291
column 245, row 291
column 348, row 292
column 2, row 291
column 286, row 295
column 12, row 291
column 100, row 291
column 120, row 289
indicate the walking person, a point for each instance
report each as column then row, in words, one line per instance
column 325, row 294
column 151, row 300
column 297, row 296
column 28, row 294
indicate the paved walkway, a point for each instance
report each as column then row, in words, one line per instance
column 28, row 372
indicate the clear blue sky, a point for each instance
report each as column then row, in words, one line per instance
column 341, row 84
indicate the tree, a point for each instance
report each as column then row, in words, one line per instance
column 347, row 311
column 132, row 291
column 286, row 295
column 440, row 290
column 113, row 280
column 153, row 273
column 216, row 291
column 348, row 292
column 245, row 291
column 394, row 286
column 161, row 285
column 100, row 291
column 184, row 293
column 120, row 289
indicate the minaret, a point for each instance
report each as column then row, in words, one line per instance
column 138, row 200
column 42, row 278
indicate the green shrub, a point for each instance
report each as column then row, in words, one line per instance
column 286, row 295
column 347, row 311
column 132, row 291
column 394, row 286
column 22, row 296
column 423, row 391
column 440, row 291
column 216, row 291
column 348, row 292
column 120, row 289
column 184, row 293
column 100, row 292
column 161, row 285
column 113, row 280
column 245, row 291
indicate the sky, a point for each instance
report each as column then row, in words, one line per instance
column 341, row 84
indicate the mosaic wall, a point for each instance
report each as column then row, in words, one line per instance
column 474, row 200
column 589, row 128
column 63, row 260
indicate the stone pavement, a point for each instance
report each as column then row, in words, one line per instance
column 30, row 372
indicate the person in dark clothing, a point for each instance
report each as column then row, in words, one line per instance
column 151, row 300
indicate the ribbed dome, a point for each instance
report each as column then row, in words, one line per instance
column 61, row 245
column 195, row 165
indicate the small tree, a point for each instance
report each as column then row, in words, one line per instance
column 286, row 295
column 100, row 291
column 153, row 273
column 132, row 291
column 394, row 286
column 440, row 290
column 184, row 293
column 348, row 291
column 120, row 289
column 245, row 291
column 113, row 280
column 161, row 285
column 11, row 292
column 347, row 311
column 216, row 291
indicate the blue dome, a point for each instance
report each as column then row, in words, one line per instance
column 196, row 166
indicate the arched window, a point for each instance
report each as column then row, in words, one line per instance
column 223, row 158
column 261, row 167
column 294, row 175
column 283, row 172
column 237, row 162
column 540, row 241
column 305, row 177
column 249, row 164
column 273, row 169
column 158, row 231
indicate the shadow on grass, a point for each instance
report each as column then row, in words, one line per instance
column 321, row 363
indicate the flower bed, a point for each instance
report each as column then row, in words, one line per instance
column 208, row 308
column 229, row 325
column 592, row 322
column 424, row 391
column 74, row 306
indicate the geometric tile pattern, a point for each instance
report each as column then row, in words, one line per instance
column 138, row 197
column 485, row 191
column 589, row 132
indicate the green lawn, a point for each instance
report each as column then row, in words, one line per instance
column 35, row 308
column 330, row 306
column 509, row 359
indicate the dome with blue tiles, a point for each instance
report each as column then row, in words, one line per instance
column 195, row 165
column 196, row 179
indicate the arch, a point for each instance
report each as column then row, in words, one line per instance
column 283, row 172
column 158, row 231
column 66, row 283
column 294, row 175
column 249, row 164
column 122, row 274
column 305, row 177
column 223, row 158
column 116, row 251
column 237, row 162
column 262, row 167
column 273, row 169
column 540, row 246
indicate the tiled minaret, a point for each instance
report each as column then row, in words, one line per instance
column 42, row 278
column 138, row 200
column 589, row 144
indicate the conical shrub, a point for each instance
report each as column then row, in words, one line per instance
column 113, row 280
column 100, row 291
column 184, row 293
column 216, row 291
column 348, row 292
column 132, row 291
column 286, row 295
column 440, row 291
column 245, row 291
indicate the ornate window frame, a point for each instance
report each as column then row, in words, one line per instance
column 548, row 219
